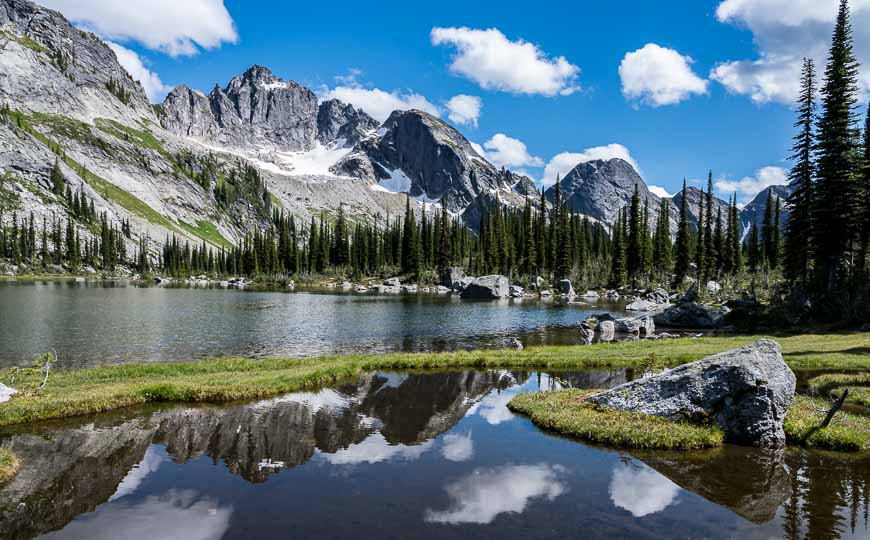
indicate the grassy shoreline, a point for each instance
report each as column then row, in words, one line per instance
column 92, row 390
column 9, row 465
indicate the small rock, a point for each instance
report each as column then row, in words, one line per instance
column 517, row 292
column 6, row 393
column 566, row 289
column 514, row 343
column 606, row 330
column 393, row 282
column 591, row 295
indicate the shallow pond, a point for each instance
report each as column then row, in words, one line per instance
column 407, row 455
column 99, row 323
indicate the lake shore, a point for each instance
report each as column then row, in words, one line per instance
column 93, row 390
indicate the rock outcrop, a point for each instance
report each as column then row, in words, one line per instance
column 487, row 287
column 689, row 315
column 255, row 109
column 342, row 124
column 747, row 392
column 416, row 153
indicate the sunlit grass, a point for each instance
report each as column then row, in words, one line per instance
column 76, row 392
column 9, row 465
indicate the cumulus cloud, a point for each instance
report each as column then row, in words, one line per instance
column 749, row 186
column 457, row 447
column 379, row 104
column 486, row 493
column 129, row 60
column 169, row 26
column 464, row 109
column 641, row 490
column 784, row 32
column 561, row 164
column 504, row 151
column 661, row 192
column 658, row 76
column 375, row 449
column 494, row 62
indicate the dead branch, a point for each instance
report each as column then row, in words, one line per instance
column 833, row 410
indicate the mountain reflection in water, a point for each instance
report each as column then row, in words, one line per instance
column 420, row 455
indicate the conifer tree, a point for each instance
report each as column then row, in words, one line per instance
column 835, row 199
column 682, row 247
column 700, row 242
column 634, row 250
column 799, row 229
column 710, row 255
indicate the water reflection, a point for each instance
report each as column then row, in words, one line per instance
column 640, row 490
column 407, row 454
column 485, row 493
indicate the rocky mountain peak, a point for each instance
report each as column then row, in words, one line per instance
column 52, row 67
column 418, row 153
column 341, row 122
column 254, row 110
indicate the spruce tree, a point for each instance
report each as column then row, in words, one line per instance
column 634, row 249
column 682, row 247
column 710, row 255
column 767, row 232
column 799, row 229
column 700, row 242
column 835, row 201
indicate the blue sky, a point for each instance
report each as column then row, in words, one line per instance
column 713, row 92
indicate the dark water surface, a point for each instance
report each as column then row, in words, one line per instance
column 399, row 455
column 96, row 323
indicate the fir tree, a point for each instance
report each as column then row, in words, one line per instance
column 834, row 204
column 683, row 254
column 799, row 229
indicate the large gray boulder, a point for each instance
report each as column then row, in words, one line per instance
column 566, row 288
column 452, row 275
column 689, row 315
column 747, row 392
column 488, row 287
column 641, row 326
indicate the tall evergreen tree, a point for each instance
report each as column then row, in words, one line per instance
column 835, row 198
column 683, row 249
column 799, row 229
column 634, row 249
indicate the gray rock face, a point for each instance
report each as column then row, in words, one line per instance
column 50, row 66
column 452, row 275
column 525, row 186
column 606, row 330
column 688, row 315
column 600, row 189
column 641, row 326
column 436, row 159
column 746, row 391
column 342, row 123
column 642, row 305
column 693, row 200
column 255, row 108
column 753, row 213
column 487, row 287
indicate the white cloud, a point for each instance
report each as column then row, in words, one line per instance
column 464, row 110
column 661, row 192
column 784, row 32
column 641, row 490
column 379, row 104
column 129, row 60
column 658, row 76
column 494, row 62
column 485, row 493
column 504, row 151
column 561, row 164
column 374, row 449
column 457, row 447
column 174, row 515
column 749, row 186
column 151, row 461
column 177, row 28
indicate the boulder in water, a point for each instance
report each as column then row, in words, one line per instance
column 566, row 288
column 747, row 391
column 688, row 315
column 487, row 287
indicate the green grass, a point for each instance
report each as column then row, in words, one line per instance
column 208, row 232
column 857, row 383
column 26, row 41
column 140, row 137
column 76, row 392
column 9, row 465
column 566, row 413
column 847, row 432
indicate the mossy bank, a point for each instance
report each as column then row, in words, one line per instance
column 92, row 390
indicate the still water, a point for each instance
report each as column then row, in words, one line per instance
column 407, row 455
column 94, row 323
